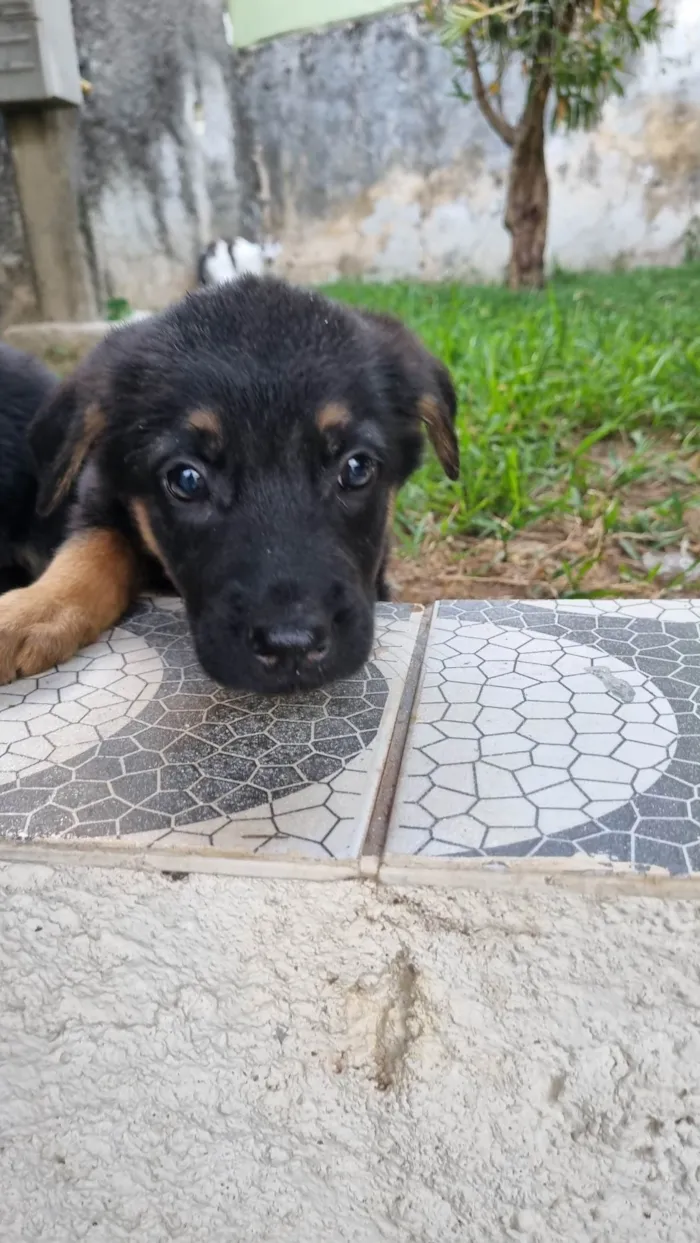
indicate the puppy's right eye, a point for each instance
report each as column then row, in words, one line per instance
column 357, row 471
column 186, row 483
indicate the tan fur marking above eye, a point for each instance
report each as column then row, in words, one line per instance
column 139, row 513
column 441, row 433
column 209, row 423
column 332, row 417
column 90, row 583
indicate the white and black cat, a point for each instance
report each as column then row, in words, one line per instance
column 225, row 260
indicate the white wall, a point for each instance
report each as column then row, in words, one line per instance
column 379, row 171
column 348, row 146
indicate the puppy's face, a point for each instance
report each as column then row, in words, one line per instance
column 251, row 439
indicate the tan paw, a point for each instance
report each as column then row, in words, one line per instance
column 37, row 632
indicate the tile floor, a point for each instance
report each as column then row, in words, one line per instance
column 564, row 730
column 131, row 741
column 560, row 729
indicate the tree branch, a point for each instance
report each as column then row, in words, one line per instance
column 497, row 122
column 540, row 82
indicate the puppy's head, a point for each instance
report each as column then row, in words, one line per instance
column 253, row 437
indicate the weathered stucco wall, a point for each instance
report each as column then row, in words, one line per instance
column 349, row 146
column 211, row 1059
column 157, row 149
column 16, row 289
column 367, row 163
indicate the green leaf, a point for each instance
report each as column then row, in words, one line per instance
column 586, row 63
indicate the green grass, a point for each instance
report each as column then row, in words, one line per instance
column 573, row 401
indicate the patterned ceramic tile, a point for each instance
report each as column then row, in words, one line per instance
column 564, row 729
column 131, row 741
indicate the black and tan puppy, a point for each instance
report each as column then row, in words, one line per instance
column 247, row 443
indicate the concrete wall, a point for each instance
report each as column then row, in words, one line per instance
column 16, row 289
column 349, row 146
column 211, row 1059
column 365, row 162
column 157, row 148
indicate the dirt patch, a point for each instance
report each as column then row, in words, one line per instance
column 549, row 560
column 637, row 512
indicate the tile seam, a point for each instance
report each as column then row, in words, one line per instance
column 378, row 825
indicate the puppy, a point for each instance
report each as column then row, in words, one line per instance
column 247, row 443
column 26, row 541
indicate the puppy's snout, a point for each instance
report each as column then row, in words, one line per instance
column 294, row 635
column 290, row 646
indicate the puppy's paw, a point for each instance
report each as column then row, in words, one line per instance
column 37, row 632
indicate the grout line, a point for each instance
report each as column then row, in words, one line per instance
column 110, row 854
column 375, row 838
column 595, row 878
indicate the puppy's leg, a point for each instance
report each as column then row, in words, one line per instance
column 87, row 587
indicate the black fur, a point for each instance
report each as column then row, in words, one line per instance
column 277, row 547
column 26, row 541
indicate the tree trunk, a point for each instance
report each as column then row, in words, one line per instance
column 527, row 204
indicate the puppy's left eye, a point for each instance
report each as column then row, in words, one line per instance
column 186, row 483
column 357, row 471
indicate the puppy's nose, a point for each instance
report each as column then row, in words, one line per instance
column 290, row 645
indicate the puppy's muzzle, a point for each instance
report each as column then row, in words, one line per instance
column 291, row 648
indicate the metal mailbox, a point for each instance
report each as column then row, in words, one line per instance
column 38, row 57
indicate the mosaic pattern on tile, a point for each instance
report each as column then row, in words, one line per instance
column 131, row 740
column 643, row 610
column 559, row 729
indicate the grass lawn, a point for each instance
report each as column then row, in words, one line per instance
column 579, row 435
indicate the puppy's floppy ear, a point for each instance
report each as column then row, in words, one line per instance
column 423, row 384
column 439, row 414
column 63, row 432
